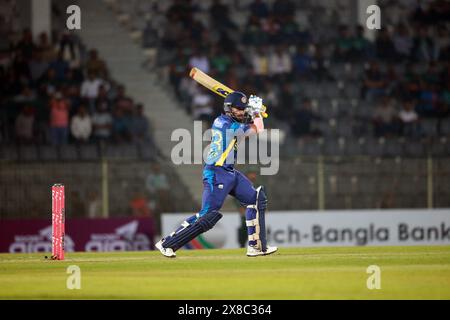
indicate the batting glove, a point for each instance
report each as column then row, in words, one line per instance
column 256, row 105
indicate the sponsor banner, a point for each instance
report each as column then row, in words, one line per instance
column 112, row 234
column 333, row 228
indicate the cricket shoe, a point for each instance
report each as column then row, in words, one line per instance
column 254, row 252
column 166, row 252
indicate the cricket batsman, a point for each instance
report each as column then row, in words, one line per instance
column 241, row 117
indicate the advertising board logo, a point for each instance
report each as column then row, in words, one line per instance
column 41, row 242
column 125, row 238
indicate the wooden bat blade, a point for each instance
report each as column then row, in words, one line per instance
column 210, row 83
column 214, row 85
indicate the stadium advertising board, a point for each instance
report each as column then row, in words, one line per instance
column 334, row 228
column 112, row 234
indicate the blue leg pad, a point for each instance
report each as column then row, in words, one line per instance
column 191, row 230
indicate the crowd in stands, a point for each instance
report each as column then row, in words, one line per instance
column 404, row 72
column 58, row 92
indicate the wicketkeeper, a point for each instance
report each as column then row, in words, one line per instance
column 241, row 118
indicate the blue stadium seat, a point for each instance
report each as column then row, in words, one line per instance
column 48, row 153
column 429, row 127
column 414, row 149
column 393, row 147
column 309, row 147
column 9, row 153
column 69, row 152
column 375, row 147
column 445, row 127
column 89, row 152
column 439, row 148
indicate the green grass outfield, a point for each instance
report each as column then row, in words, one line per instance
column 291, row 273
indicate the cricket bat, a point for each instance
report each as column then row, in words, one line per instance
column 214, row 85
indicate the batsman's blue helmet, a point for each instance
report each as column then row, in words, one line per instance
column 235, row 99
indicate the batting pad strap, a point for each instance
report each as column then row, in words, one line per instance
column 252, row 206
column 251, row 223
column 253, row 237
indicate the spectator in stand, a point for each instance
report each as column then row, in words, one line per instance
column 122, row 101
column 158, row 187
column 96, row 66
column 81, row 126
column 272, row 28
column 72, row 93
column 344, row 45
column 271, row 95
column 384, row 46
column 302, row 62
column 102, row 123
column 388, row 200
column 283, row 9
column 260, row 65
column 445, row 95
column 27, row 95
column 220, row 16
column 102, row 98
column 443, row 43
column 38, row 67
column 290, row 31
column 409, row 120
column 425, row 48
column 259, row 9
column 90, row 88
column 140, row 128
column 374, row 82
column 59, row 119
column 45, row 48
column 67, row 46
column 403, row 43
column 178, row 70
column 260, row 61
column 77, row 205
column 94, row 205
column 410, row 83
column 432, row 75
column 280, row 64
column 301, row 122
column 120, row 128
column 385, row 118
column 253, row 33
column 202, row 107
column 319, row 66
column 286, row 103
column 139, row 205
column 392, row 80
column 199, row 60
column 361, row 46
column 25, row 125
column 60, row 66
column 49, row 83
column 25, row 46
column 21, row 66
column 428, row 100
column 220, row 62
column 187, row 89
column 70, row 78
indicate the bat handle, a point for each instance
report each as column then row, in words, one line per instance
column 264, row 114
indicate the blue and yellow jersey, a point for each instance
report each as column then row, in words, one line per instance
column 224, row 131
